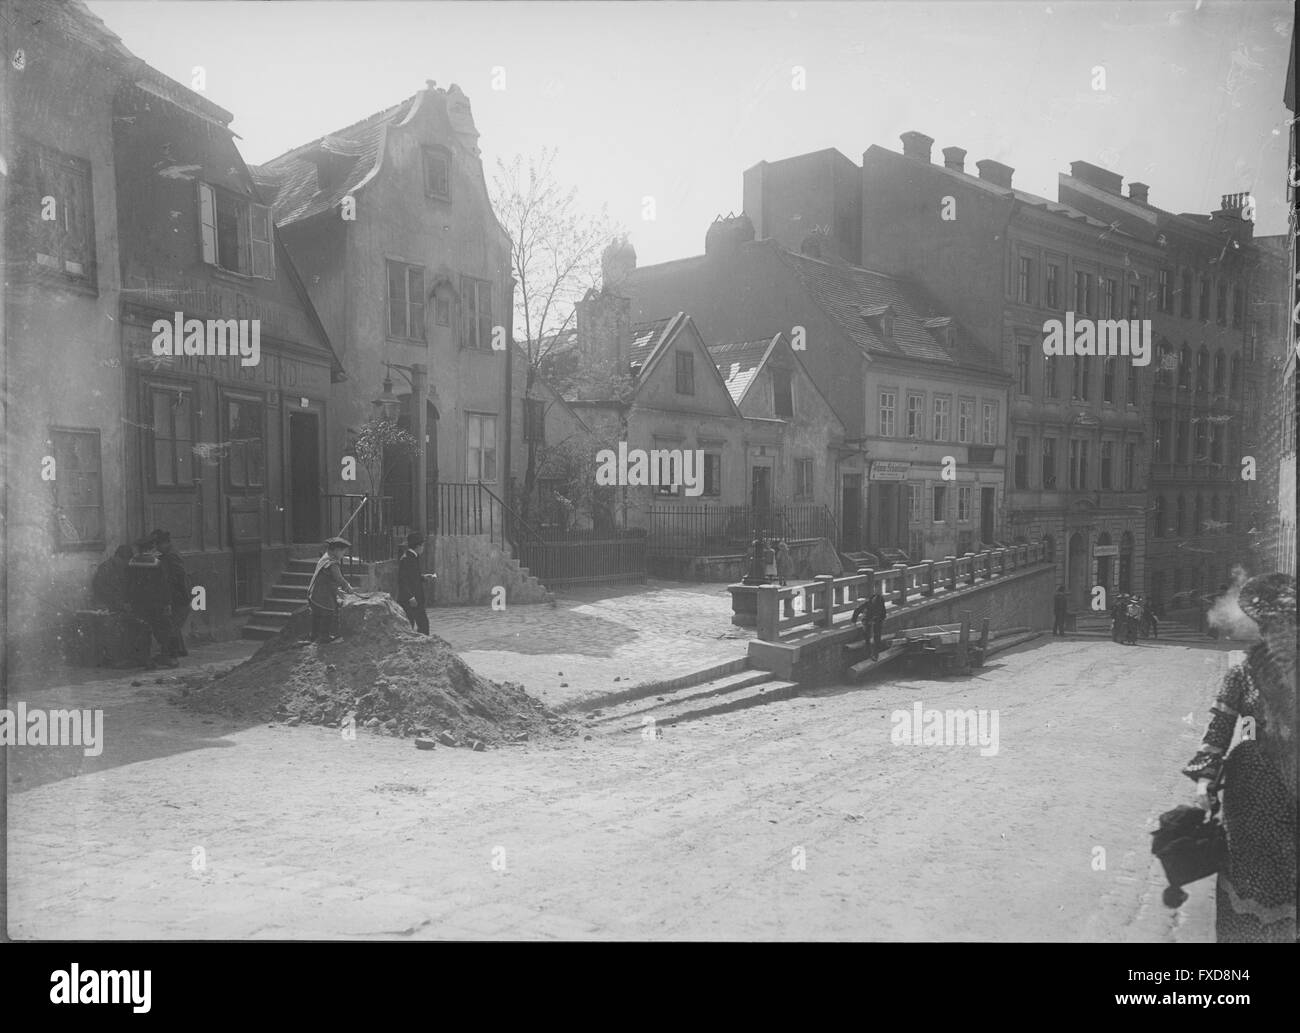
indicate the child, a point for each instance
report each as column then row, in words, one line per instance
column 323, row 592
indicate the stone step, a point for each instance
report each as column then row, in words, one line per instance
column 725, row 685
column 286, row 594
column 769, row 690
column 259, row 631
column 657, row 688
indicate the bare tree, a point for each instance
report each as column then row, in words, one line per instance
column 555, row 259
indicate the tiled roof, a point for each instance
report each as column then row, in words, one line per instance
column 291, row 177
column 645, row 338
column 739, row 363
column 845, row 291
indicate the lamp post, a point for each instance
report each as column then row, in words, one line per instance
column 388, row 404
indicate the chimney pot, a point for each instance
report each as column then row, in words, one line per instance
column 954, row 158
column 916, row 145
column 995, row 172
column 1138, row 192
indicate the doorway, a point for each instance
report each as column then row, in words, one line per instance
column 851, row 512
column 760, row 496
column 986, row 515
column 304, row 476
column 1077, row 572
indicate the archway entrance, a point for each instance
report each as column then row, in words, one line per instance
column 1077, row 571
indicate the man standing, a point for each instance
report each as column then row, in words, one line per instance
column 109, row 586
column 149, row 598
column 872, row 611
column 410, row 583
column 323, row 593
column 178, row 589
column 1059, row 605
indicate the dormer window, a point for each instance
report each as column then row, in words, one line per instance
column 236, row 233
column 881, row 318
column 437, row 173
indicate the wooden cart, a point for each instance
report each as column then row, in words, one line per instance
column 949, row 645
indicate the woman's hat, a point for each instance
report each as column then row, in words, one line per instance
column 414, row 538
column 337, row 543
column 1269, row 598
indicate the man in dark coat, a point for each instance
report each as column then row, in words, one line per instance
column 109, row 586
column 872, row 612
column 1060, row 604
column 410, row 583
column 149, row 598
column 178, row 589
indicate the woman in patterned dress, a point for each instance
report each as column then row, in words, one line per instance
column 1256, row 894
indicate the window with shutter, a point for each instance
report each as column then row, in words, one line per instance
column 262, row 242
column 208, row 220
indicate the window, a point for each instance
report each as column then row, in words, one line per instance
column 1052, row 291
column 1134, row 301
column 1024, row 287
column 1158, row 518
column 236, row 234
column 1183, row 441
column 1082, row 373
column 965, row 420
column 712, row 473
column 475, row 313
column 685, row 373
column 942, row 423
column 1108, row 378
column 1022, row 368
column 1130, row 466
column 244, row 430
column 481, row 445
column 1131, row 384
column 1186, row 292
column 938, row 512
column 1083, row 294
column 442, row 311
column 914, row 502
column 1198, row 515
column 534, row 420
column 78, row 490
column 437, row 173
column 1234, row 374
column 782, row 397
column 1216, row 443
column 1164, row 296
column 803, row 478
column 1221, row 306
column 62, row 246
column 1203, row 310
column 1049, row 464
column 963, row 503
column 915, row 416
column 1163, row 441
column 172, row 437
column 1022, row 462
column 989, row 430
column 1236, row 307
column 405, row 301
column 1185, row 368
column 1051, row 380
column 887, row 414
column 1107, row 465
column 1202, row 434
column 1220, row 372
column 1202, row 371
column 1078, row 464
column 1109, row 295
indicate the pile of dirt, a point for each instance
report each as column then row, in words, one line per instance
column 382, row 676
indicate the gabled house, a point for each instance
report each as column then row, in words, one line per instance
column 391, row 223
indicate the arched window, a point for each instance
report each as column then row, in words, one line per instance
column 1163, row 361
column 1220, row 369
column 1181, row 524
column 1185, row 367
column 1234, row 376
column 1158, row 518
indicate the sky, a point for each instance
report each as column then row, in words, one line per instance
column 674, row 101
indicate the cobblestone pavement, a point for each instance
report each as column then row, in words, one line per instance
column 791, row 820
column 576, row 650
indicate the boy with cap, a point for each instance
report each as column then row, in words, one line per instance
column 178, row 588
column 410, row 583
column 323, row 593
column 148, row 597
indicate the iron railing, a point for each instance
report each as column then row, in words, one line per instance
column 710, row 529
column 367, row 522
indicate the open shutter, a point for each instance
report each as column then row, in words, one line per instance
column 260, row 234
column 208, row 223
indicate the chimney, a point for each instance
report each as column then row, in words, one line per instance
column 1138, row 192
column 727, row 233
column 1232, row 213
column 917, row 145
column 954, row 158
column 604, row 326
column 995, row 172
column 617, row 264
column 1095, row 175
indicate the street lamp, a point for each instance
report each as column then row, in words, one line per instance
column 388, row 405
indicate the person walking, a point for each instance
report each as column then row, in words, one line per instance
column 410, row 583
column 872, row 612
column 1117, row 620
column 1060, row 604
column 784, row 564
column 1255, row 780
column 323, row 594
column 149, row 600
column 1132, row 619
column 178, row 589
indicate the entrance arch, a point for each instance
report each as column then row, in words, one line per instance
column 1077, row 571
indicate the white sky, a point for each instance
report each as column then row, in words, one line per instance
column 676, row 100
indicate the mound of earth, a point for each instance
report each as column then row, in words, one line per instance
column 380, row 673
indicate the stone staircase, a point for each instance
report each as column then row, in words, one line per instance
column 287, row 596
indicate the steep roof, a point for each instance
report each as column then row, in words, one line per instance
column 357, row 151
column 646, row 339
column 739, row 363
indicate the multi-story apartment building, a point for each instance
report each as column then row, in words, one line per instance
column 1003, row 262
column 1200, row 509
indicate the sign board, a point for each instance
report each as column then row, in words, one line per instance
column 889, row 471
column 1105, row 550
